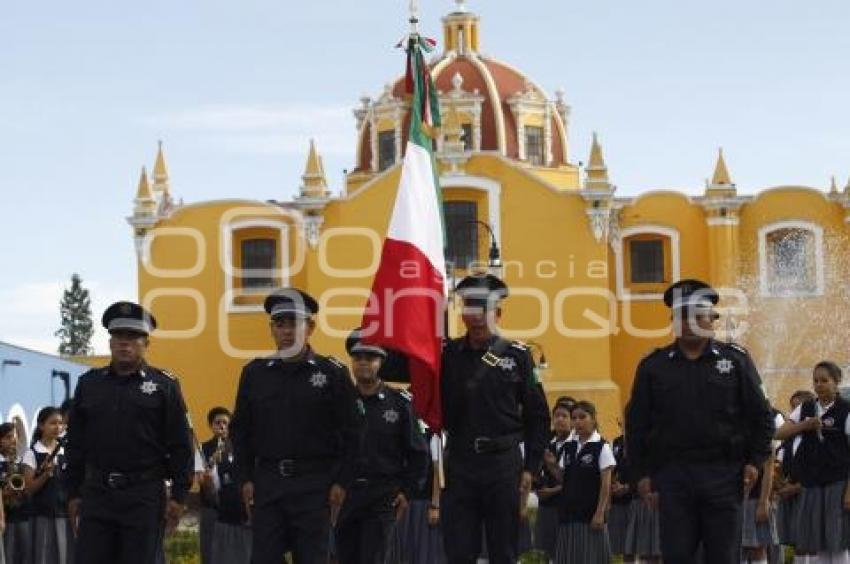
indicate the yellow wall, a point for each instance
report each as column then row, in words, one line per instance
column 548, row 249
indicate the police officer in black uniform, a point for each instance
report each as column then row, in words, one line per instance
column 296, row 432
column 698, row 427
column 127, row 433
column 391, row 467
column 492, row 402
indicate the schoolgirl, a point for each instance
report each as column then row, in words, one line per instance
column 622, row 496
column 548, row 486
column 586, row 487
column 821, row 428
column 44, row 465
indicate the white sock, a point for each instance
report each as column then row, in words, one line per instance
column 802, row 560
column 760, row 561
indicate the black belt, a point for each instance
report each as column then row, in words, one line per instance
column 486, row 445
column 122, row 480
column 290, row 467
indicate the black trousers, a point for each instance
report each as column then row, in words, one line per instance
column 482, row 492
column 290, row 514
column 700, row 504
column 121, row 526
column 366, row 524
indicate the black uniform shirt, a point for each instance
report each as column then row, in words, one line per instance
column 506, row 400
column 710, row 408
column 132, row 423
column 303, row 410
column 394, row 448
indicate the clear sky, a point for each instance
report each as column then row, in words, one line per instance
column 236, row 89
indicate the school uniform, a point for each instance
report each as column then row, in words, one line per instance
column 52, row 535
column 419, row 542
column 823, row 461
column 582, row 480
column 231, row 537
column 621, row 510
column 17, row 538
column 208, row 512
column 786, row 511
column 546, row 526
column 763, row 534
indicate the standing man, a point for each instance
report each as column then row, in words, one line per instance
column 127, row 433
column 391, row 467
column 698, row 428
column 492, row 402
column 296, row 434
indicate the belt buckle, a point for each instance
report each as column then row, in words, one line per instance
column 490, row 359
column 479, row 444
column 286, row 468
column 116, row 480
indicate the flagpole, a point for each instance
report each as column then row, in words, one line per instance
column 414, row 18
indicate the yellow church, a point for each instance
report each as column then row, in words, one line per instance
column 586, row 267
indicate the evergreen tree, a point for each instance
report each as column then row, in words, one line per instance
column 76, row 328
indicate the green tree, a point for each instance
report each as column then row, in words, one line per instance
column 76, row 328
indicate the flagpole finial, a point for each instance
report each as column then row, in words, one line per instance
column 414, row 17
column 460, row 6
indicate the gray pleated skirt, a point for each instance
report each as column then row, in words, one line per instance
column 578, row 542
column 50, row 540
column 17, row 542
column 206, row 526
column 643, row 534
column 786, row 513
column 821, row 523
column 546, row 529
column 618, row 525
column 755, row 535
column 417, row 542
column 231, row 544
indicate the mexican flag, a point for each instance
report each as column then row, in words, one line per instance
column 405, row 309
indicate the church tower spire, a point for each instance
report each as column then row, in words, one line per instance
column 596, row 172
column 160, row 172
column 314, row 184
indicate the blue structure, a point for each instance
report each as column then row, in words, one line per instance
column 30, row 380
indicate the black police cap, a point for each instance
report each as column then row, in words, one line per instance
column 354, row 345
column 690, row 293
column 481, row 289
column 128, row 316
column 290, row 302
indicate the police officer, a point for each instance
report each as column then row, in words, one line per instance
column 391, row 467
column 296, row 433
column 492, row 402
column 698, row 427
column 127, row 433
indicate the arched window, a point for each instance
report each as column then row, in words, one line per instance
column 791, row 259
column 461, row 232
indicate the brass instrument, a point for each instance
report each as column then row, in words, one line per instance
column 15, row 478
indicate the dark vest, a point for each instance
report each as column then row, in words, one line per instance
column 621, row 472
column 546, row 480
column 582, row 480
column 52, row 499
column 789, row 464
column 822, row 462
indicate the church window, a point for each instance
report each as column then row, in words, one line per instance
column 791, row 261
column 259, row 262
column 647, row 261
column 386, row 150
column 461, row 232
column 467, row 136
column 534, row 145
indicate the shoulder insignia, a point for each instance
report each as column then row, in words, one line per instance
column 739, row 348
column 334, row 361
column 405, row 394
column 519, row 345
column 167, row 374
